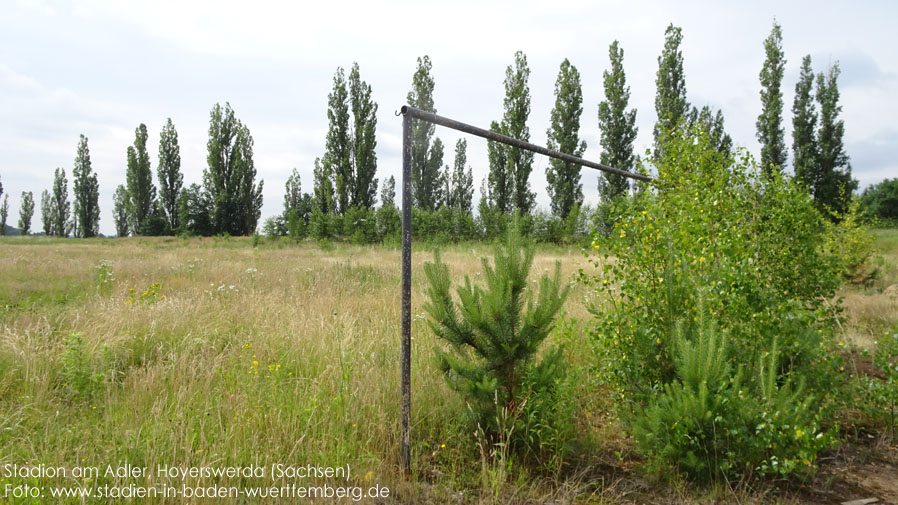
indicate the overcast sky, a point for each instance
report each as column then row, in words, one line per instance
column 101, row 67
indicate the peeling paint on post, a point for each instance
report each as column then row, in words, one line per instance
column 406, row 365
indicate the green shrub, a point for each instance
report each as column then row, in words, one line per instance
column 878, row 395
column 77, row 369
column 495, row 332
column 709, row 424
column 104, row 277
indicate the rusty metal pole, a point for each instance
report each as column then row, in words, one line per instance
column 406, row 365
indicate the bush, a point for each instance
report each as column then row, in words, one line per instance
column 764, row 260
column 495, row 333
column 77, row 369
column 708, row 424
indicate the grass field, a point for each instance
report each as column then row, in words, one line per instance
column 216, row 353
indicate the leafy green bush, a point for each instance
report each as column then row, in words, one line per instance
column 878, row 396
column 765, row 264
column 495, row 333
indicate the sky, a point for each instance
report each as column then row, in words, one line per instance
column 102, row 67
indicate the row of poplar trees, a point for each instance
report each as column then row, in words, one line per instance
column 229, row 200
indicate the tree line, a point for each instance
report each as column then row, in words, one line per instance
column 345, row 183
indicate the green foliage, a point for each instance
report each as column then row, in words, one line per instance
column 60, row 206
column 141, row 192
column 338, row 154
column 230, row 175
column 26, row 212
column 324, row 199
column 495, row 333
column 168, row 171
column 709, row 424
column 149, row 296
column 120, row 211
column 671, row 105
column 104, row 277
column 195, row 212
column 389, row 222
column 878, row 395
column 459, row 192
column 46, row 213
column 833, row 184
column 712, row 123
column 364, row 141
column 757, row 244
column 618, row 127
column 804, row 124
column 565, row 190
column 87, row 193
column 427, row 154
column 769, row 125
column 4, row 213
column 77, row 370
column 880, row 201
column 519, row 163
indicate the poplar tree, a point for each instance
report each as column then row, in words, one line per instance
column 26, row 212
column 47, row 213
column 519, row 162
column 617, row 127
column 500, row 182
column 563, row 177
column 804, row 124
column 120, row 211
column 87, row 193
column 770, row 132
column 427, row 153
column 141, row 192
column 4, row 213
column 324, row 187
column 364, row 141
column 338, row 148
column 229, row 177
column 61, row 206
column 168, row 172
column 834, row 184
column 711, row 123
column 670, row 81
column 388, row 192
column 459, row 182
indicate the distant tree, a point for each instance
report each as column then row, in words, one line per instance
column 388, row 192
column 426, row 162
column 459, row 183
column 195, row 211
column 297, row 205
column 804, row 125
column 565, row 190
column 323, row 199
column 120, row 211
column 171, row 180
column 141, row 192
column 26, row 212
column 617, row 126
column 712, row 123
column 519, row 162
column 834, row 185
column 61, row 207
column 4, row 213
column 47, row 213
column 338, row 154
column 880, row 201
column 87, row 193
column 500, row 182
column 364, row 141
column 770, row 132
column 670, row 96
column 230, row 175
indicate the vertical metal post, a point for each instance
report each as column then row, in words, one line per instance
column 405, row 454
